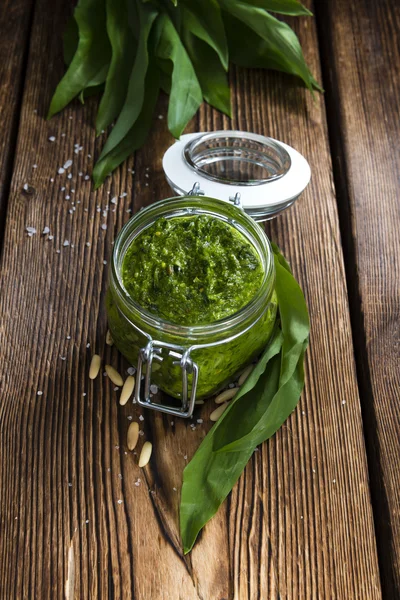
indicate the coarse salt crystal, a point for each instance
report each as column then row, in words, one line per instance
column 25, row 187
column 69, row 176
column 45, row 230
column 61, row 171
column 114, row 200
column 40, row 393
column 131, row 370
column 34, row 166
column 52, row 138
column 153, row 389
column 50, row 237
column 30, row 230
column 67, row 197
column 66, row 243
column 86, row 177
column 104, row 226
column 141, row 418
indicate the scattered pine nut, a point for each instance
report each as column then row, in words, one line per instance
column 145, row 454
column 215, row 415
column 94, row 366
column 109, row 340
column 245, row 375
column 114, row 375
column 226, row 395
column 133, row 435
column 127, row 390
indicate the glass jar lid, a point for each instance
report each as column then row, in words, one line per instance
column 269, row 175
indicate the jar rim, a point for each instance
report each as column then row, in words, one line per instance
column 186, row 206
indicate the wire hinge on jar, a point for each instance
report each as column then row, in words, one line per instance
column 153, row 350
column 196, row 191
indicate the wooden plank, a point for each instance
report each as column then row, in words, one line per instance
column 299, row 523
column 361, row 53
column 15, row 21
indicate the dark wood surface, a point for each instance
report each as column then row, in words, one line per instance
column 300, row 522
column 361, row 53
column 15, row 21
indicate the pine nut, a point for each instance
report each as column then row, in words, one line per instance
column 145, row 454
column 245, row 375
column 94, row 366
column 109, row 340
column 114, row 375
column 215, row 415
column 226, row 395
column 133, row 435
column 127, row 390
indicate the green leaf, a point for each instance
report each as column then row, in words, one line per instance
column 186, row 95
column 258, row 410
column 136, row 136
column 203, row 19
column 210, row 73
column 274, row 46
column 70, row 40
column 123, row 46
column 91, row 56
column 255, row 415
column 136, row 89
column 282, row 7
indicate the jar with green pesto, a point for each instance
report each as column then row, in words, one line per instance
column 191, row 297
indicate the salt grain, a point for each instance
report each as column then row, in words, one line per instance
column 119, row 501
column 141, row 418
column 66, row 243
column 104, row 226
column 31, row 231
column 40, row 393
column 52, row 138
column 69, row 176
column 153, row 389
column 131, row 370
column 61, row 171
column 50, row 237
column 68, row 164
column 46, row 230
column 114, row 200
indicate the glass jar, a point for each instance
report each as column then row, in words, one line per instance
column 190, row 363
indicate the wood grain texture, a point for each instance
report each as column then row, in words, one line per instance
column 15, row 21
column 360, row 45
column 299, row 523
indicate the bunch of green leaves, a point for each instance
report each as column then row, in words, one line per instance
column 128, row 50
column 261, row 406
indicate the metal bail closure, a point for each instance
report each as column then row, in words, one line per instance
column 153, row 350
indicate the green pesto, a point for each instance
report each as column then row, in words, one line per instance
column 191, row 270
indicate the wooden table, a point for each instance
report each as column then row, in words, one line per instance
column 317, row 512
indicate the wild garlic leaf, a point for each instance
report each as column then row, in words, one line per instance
column 259, row 409
column 203, row 19
column 123, row 45
column 254, row 415
column 136, row 89
column 70, row 40
column 283, row 7
column 138, row 133
column 91, row 57
column 280, row 48
column 186, row 95
column 210, row 73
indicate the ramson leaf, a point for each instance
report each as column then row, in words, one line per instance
column 259, row 409
column 275, row 44
column 210, row 73
column 136, row 89
column 186, row 96
column 91, row 57
column 123, row 46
